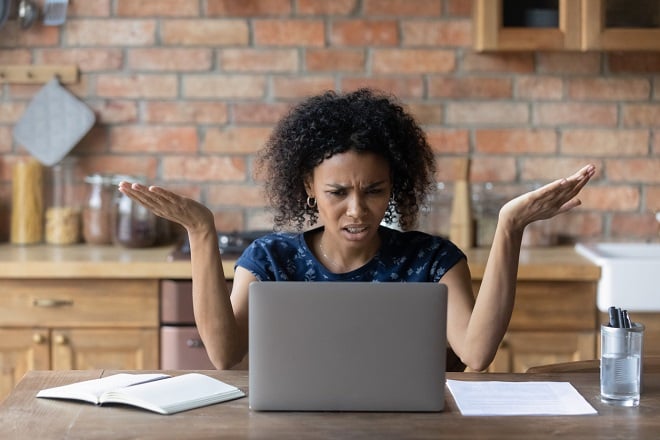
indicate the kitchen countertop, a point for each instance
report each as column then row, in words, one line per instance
column 559, row 263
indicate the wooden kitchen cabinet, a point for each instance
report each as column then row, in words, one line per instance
column 581, row 25
column 65, row 324
column 552, row 321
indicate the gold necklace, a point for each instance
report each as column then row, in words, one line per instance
column 330, row 260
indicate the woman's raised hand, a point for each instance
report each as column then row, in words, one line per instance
column 189, row 213
column 547, row 201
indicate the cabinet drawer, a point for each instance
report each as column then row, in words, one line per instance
column 181, row 348
column 79, row 303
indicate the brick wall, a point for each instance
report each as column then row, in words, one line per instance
column 186, row 91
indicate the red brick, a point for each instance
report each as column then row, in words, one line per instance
column 217, row 86
column 641, row 226
column 604, row 142
column 204, row 168
column 167, row 112
column 260, row 220
column 458, row 8
column 516, row 141
column 153, row 139
column 97, row 8
column 569, row 63
column 325, row 7
column 115, row 111
column 235, row 140
column 87, row 60
column 11, row 112
column 364, row 33
column 426, row 113
column 258, row 60
column 15, row 56
column 634, row 170
column 652, row 200
column 397, row 8
column 611, row 198
column 436, row 33
column 487, row 113
column 169, row 59
column 647, row 62
column 539, row 87
column 403, row 87
column 609, row 89
column 144, row 166
column 209, row 32
column 469, row 87
column 656, row 88
column 504, row 63
column 157, row 8
column 137, row 86
column 339, row 60
column 301, row 87
column 236, row 195
column 573, row 114
column 641, row 115
column 575, row 225
column 548, row 169
column 258, row 112
column 110, row 32
column 229, row 219
column 492, row 169
column 286, row 32
column 229, row 8
column 14, row 36
column 448, row 141
column 405, row 61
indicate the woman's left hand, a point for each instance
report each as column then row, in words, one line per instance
column 547, row 201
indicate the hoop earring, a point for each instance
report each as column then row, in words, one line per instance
column 311, row 202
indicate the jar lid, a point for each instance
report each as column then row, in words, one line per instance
column 99, row 179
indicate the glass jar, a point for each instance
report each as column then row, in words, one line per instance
column 434, row 217
column 98, row 211
column 62, row 213
column 486, row 204
column 135, row 225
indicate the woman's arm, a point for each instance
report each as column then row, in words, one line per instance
column 224, row 334
column 476, row 328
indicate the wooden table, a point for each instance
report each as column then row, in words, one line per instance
column 22, row 416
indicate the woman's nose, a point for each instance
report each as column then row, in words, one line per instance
column 355, row 206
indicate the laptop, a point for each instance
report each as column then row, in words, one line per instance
column 347, row 346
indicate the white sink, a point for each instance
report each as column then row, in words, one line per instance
column 630, row 274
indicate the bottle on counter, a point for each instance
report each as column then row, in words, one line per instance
column 62, row 216
column 27, row 202
column 99, row 209
column 135, row 225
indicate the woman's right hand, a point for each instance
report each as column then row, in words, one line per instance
column 190, row 214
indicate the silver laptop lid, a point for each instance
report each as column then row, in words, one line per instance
column 345, row 346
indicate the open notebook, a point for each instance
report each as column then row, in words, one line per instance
column 160, row 393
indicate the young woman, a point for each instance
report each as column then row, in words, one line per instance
column 335, row 168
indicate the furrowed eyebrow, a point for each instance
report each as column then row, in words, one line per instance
column 370, row 186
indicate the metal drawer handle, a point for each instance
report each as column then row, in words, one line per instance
column 195, row 343
column 48, row 302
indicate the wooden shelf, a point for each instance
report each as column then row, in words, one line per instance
column 33, row 74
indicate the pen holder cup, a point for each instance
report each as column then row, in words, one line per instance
column 621, row 364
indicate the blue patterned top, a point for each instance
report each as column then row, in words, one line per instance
column 410, row 256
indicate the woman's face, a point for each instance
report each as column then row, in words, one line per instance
column 352, row 191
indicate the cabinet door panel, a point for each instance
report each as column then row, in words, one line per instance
column 21, row 350
column 112, row 349
column 521, row 350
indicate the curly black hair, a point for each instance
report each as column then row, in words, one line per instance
column 332, row 123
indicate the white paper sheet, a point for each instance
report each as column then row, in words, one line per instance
column 496, row 398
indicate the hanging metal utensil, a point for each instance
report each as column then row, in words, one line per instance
column 4, row 11
column 27, row 13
